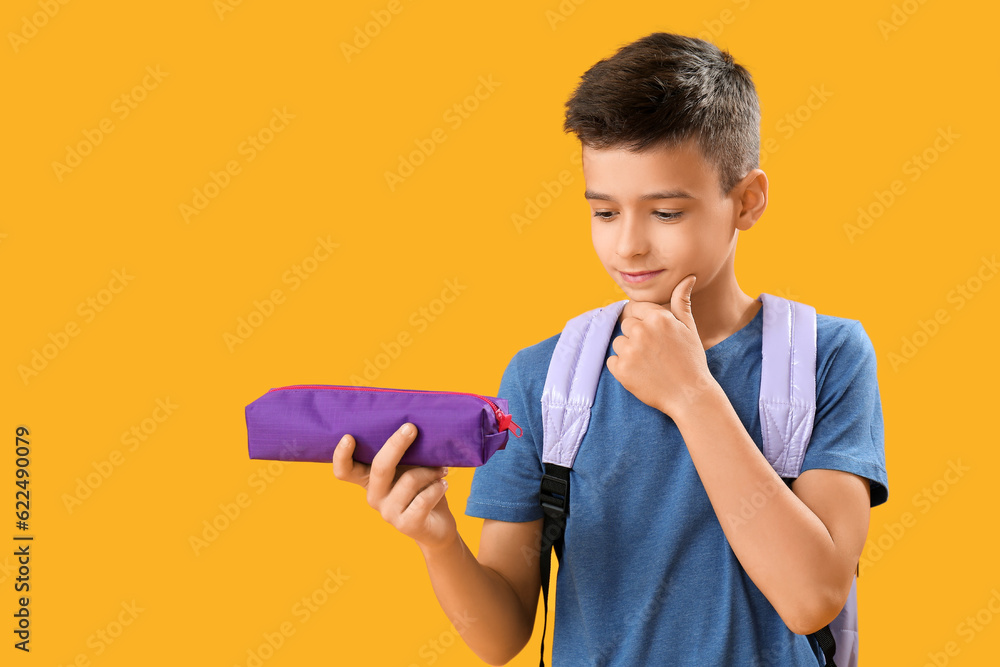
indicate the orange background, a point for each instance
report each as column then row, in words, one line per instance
column 895, row 75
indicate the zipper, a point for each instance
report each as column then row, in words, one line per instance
column 504, row 421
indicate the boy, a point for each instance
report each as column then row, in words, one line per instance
column 662, row 563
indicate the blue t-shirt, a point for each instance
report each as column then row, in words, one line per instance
column 647, row 575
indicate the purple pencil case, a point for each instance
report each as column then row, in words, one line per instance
column 305, row 423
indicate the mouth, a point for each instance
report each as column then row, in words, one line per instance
column 634, row 278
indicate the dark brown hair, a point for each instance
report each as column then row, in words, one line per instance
column 664, row 89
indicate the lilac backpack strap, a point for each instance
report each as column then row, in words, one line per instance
column 787, row 411
column 787, row 382
column 571, row 383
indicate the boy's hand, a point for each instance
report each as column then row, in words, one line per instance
column 411, row 498
column 660, row 357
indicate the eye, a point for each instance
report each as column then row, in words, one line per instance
column 661, row 215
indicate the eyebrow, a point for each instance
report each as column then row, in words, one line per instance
column 667, row 194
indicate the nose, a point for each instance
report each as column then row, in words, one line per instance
column 632, row 239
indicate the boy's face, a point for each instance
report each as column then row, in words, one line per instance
column 661, row 211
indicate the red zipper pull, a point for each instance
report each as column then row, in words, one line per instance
column 505, row 422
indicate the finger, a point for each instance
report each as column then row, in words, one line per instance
column 400, row 469
column 680, row 299
column 639, row 309
column 383, row 468
column 407, row 487
column 416, row 512
column 345, row 468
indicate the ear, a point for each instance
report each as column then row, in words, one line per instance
column 752, row 199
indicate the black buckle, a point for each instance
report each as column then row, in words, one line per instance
column 555, row 491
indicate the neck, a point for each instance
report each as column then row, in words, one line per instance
column 718, row 320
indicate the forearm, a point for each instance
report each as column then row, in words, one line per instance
column 783, row 546
column 480, row 603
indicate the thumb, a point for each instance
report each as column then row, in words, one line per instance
column 680, row 301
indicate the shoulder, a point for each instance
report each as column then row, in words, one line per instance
column 834, row 331
column 534, row 360
column 842, row 341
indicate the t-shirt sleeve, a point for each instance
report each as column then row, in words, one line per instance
column 848, row 430
column 506, row 487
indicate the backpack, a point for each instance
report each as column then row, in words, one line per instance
column 787, row 407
